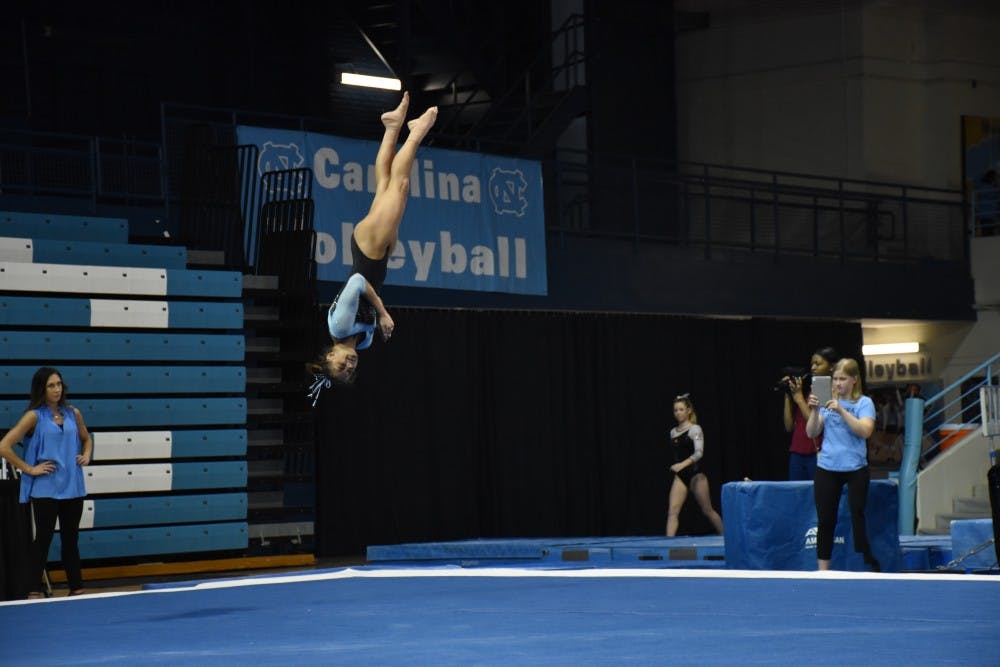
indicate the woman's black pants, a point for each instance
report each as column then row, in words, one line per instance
column 826, row 491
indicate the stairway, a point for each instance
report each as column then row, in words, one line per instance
column 976, row 506
column 280, row 444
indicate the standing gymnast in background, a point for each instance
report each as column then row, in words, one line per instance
column 846, row 422
column 688, row 442
column 358, row 310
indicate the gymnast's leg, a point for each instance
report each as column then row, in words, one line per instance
column 377, row 232
column 699, row 487
column 678, row 494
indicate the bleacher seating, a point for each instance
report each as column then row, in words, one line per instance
column 132, row 313
column 51, row 251
column 167, row 409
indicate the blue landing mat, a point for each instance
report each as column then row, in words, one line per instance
column 919, row 553
column 659, row 552
column 456, row 616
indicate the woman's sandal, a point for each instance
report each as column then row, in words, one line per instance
column 79, row 591
column 35, row 595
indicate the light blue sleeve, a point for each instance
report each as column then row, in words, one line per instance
column 341, row 317
column 866, row 408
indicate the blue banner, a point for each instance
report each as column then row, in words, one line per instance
column 472, row 221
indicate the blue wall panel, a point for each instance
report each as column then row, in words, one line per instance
column 83, row 380
column 60, row 346
column 66, row 227
column 111, row 512
column 148, row 413
column 68, row 312
column 204, row 283
column 212, row 442
column 44, row 311
column 209, row 475
column 160, row 540
column 53, row 251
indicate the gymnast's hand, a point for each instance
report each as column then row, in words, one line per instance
column 386, row 326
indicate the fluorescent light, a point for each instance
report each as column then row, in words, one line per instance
column 367, row 81
column 890, row 348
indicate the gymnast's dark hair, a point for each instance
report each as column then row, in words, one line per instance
column 38, row 382
column 829, row 354
column 319, row 366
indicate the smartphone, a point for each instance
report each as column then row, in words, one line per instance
column 822, row 387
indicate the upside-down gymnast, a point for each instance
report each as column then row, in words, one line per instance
column 358, row 310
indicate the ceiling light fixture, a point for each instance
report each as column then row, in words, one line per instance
column 367, row 81
column 890, row 348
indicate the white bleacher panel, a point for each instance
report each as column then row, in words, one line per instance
column 16, row 250
column 135, row 314
column 87, row 520
column 129, row 478
column 22, row 277
column 128, row 445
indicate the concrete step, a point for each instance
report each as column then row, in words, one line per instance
column 944, row 520
column 252, row 283
column 971, row 505
column 263, row 344
column 258, row 313
column 265, row 438
column 262, row 375
column 934, row 531
column 265, row 406
column 206, row 258
column 266, row 468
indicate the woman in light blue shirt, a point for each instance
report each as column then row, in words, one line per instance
column 58, row 445
column 845, row 422
column 358, row 311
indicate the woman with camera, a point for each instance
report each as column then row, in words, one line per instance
column 846, row 422
column 803, row 449
column 688, row 442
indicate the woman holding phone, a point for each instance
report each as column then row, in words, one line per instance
column 846, row 421
column 803, row 449
column 688, row 442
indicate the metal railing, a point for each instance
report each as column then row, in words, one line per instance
column 719, row 207
column 110, row 169
column 956, row 403
column 708, row 207
column 960, row 400
column 984, row 211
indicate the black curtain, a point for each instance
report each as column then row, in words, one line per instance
column 15, row 539
column 520, row 424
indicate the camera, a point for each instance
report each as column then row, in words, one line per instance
column 799, row 373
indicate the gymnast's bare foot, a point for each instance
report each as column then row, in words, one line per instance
column 421, row 125
column 393, row 120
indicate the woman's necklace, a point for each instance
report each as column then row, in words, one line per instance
column 56, row 416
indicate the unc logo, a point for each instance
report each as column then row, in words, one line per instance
column 278, row 157
column 507, row 189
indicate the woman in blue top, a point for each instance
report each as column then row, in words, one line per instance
column 845, row 423
column 358, row 310
column 57, row 446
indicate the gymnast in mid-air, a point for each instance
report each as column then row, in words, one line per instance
column 358, row 311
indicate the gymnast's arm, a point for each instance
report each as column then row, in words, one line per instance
column 342, row 314
column 385, row 323
column 814, row 425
